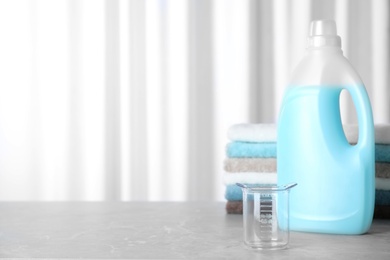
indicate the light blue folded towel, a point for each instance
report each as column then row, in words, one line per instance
column 233, row 192
column 251, row 150
column 268, row 150
column 382, row 153
column 382, row 197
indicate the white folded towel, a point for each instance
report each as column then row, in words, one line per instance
column 382, row 133
column 268, row 133
column 250, row 178
column 253, row 132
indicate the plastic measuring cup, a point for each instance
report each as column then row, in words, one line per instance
column 266, row 215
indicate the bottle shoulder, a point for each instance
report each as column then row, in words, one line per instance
column 324, row 68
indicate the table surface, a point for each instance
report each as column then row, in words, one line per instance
column 163, row 230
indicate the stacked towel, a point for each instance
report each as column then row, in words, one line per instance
column 251, row 159
column 382, row 166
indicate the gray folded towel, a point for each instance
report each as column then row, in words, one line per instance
column 250, row 165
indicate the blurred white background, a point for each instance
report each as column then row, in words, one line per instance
column 132, row 99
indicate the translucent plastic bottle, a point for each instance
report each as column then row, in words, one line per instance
column 336, row 180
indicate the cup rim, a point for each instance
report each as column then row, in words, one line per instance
column 266, row 187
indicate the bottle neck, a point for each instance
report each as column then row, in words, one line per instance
column 324, row 41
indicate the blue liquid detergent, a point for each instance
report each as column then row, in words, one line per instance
column 336, row 180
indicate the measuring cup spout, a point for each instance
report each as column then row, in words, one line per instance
column 241, row 185
column 290, row 185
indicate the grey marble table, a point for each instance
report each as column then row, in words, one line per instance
column 159, row 230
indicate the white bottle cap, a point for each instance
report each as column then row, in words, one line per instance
column 323, row 33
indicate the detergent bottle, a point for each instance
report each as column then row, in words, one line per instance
column 336, row 179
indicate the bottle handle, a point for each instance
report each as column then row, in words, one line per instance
column 365, row 119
